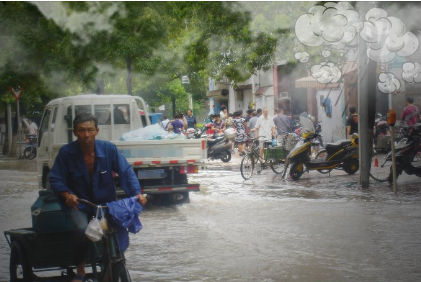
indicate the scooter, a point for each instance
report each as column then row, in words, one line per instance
column 219, row 148
column 381, row 134
column 405, row 155
column 342, row 154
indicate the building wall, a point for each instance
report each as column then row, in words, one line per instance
column 333, row 128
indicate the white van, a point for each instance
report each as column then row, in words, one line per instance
column 162, row 166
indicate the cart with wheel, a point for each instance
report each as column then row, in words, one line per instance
column 46, row 248
column 274, row 157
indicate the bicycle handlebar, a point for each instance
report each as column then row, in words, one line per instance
column 86, row 202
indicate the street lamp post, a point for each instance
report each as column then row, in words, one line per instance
column 186, row 81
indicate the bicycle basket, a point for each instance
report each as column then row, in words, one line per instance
column 279, row 153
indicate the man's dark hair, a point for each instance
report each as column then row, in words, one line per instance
column 249, row 112
column 223, row 107
column 259, row 111
column 84, row 117
column 409, row 100
column 352, row 110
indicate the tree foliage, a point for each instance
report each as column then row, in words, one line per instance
column 140, row 48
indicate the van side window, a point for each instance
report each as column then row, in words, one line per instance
column 121, row 114
column 82, row 109
column 53, row 121
column 43, row 128
column 102, row 112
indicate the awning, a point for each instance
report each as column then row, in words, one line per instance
column 265, row 90
column 217, row 94
column 311, row 82
column 243, row 87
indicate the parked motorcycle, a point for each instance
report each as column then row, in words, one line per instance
column 342, row 154
column 220, row 147
column 406, row 154
column 217, row 148
column 381, row 134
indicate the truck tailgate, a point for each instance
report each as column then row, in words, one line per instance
column 163, row 152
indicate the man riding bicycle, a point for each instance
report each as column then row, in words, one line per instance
column 84, row 169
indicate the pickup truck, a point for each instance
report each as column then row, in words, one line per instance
column 162, row 166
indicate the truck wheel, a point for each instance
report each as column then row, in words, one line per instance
column 179, row 198
column 120, row 272
column 351, row 166
column 20, row 270
column 225, row 156
column 296, row 170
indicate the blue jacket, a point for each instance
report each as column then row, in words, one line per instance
column 69, row 173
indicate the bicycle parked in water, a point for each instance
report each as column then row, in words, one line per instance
column 273, row 158
column 30, row 151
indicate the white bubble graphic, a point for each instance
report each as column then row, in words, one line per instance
column 326, row 53
column 326, row 72
column 387, row 37
column 388, row 83
column 302, row 56
column 333, row 24
column 412, row 72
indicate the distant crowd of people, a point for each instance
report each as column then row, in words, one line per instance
column 255, row 124
column 252, row 125
column 180, row 123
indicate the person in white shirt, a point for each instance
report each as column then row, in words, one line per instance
column 33, row 128
column 165, row 122
column 265, row 128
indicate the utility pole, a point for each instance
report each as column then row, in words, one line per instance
column 17, row 93
column 366, row 110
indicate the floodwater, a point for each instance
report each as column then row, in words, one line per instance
column 318, row 229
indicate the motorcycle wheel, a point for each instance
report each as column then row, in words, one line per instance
column 296, row 170
column 247, row 167
column 380, row 167
column 322, row 155
column 225, row 156
column 30, row 153
column 351, row 166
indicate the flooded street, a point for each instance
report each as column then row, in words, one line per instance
column 321, row 228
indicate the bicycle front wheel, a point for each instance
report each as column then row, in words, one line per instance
column 380, row 167
column 247, row 166
column 277, row 166
column 120, row 272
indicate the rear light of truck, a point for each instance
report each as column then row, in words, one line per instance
column 188, row 169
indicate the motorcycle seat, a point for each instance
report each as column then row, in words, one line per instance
column 214, row 141
column 332, row 147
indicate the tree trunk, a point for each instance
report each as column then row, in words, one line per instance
column 100, row 86
column 173, row 104
column 129, row 75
